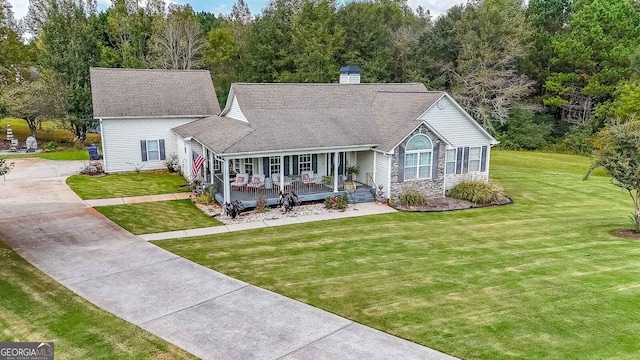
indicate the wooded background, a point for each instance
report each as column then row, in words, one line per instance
column 547, row 75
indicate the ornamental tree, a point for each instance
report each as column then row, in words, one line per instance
column 617, row 149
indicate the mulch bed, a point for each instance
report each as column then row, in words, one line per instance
column 450, row 204
column 626, row 233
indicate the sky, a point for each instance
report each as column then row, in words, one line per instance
column 437, row 7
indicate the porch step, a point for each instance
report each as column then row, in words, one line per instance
column 361, row 195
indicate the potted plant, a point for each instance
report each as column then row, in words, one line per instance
column 352, row 170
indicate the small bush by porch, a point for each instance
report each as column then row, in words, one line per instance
column 127, row 184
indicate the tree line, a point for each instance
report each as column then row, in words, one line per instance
column 547, row 74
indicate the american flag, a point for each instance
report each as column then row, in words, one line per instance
column 198, row 161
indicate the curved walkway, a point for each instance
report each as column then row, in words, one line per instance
column 200, row 310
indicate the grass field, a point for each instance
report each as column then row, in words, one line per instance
column 127, row 184
column 34, row 307
column 51, row 131
column 540, row 279
column 160, row 216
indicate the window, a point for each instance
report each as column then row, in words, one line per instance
column 274, row 165
column 248, row 166
column 216, row 165
column 451, row 161
column 153, row 150
column 475, row 154
column 304, row 163
column 417, row 158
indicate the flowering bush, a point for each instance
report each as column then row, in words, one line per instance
column 173, row 164
column 336, row 202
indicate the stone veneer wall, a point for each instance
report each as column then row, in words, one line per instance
column 432, row 188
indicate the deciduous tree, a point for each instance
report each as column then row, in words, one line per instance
column 70, row 49
column 492, row 35
column 177, row 43
column 35, row 101
column 617, row 149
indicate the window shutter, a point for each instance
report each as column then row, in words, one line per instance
column 287, row 170
column 483, row 161
column 435, row 162
column 400, row 163
column 143, row 149
column 265, row 166
column 341, row 163
column 459, row 161
column 295, row 164
column 314, row 163
column 465, row 161
column 162, row 154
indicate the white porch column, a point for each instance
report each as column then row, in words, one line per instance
column 189, row 161
column 282, row 173
column 226, row 184
column 336, row 162
column 211, row 159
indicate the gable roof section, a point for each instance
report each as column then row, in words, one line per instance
column 152, row 93
column 455, row 124
column 215, row 132
column 306, row 116
column 397, row 113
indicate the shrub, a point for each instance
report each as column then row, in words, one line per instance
column 336, row 202
column 172, row 163
column 412, row 198
column 92, row 168
column 204, row 198
column 526, row 130
column 5, row 166
column 576, row 141
column 51, row 146
column 477, row 192
column 261, row 204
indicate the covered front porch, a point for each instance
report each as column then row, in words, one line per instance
column 312, row 175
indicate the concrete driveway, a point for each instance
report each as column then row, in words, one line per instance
column 200, row 310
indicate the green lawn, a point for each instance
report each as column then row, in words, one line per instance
column 34, row 307
column 127, row 184
column 539, row 279
column 56, row 155
column 160, row 216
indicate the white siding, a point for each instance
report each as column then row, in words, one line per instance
column 365, row 162
column 234, row 110
column 454, row 125
column 122, row 141
column 382, row 172
column 181, row 151
column 322, row 165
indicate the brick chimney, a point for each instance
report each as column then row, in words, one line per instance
column 349, row 75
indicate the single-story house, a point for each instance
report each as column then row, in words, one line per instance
column 273, row 137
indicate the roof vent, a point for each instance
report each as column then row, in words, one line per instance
column 349, row 75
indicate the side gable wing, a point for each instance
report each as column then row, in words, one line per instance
column 450, row 120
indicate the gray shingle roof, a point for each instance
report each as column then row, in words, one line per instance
column 136, row 92
column 217, row 133
column 299, row 116
column 307, row 116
